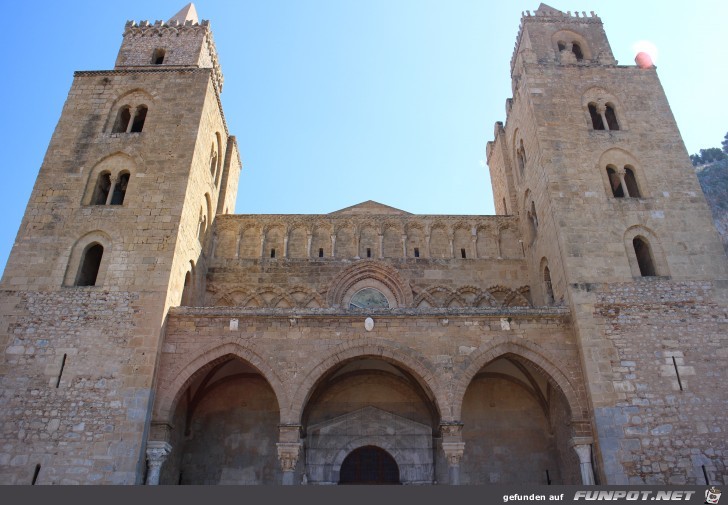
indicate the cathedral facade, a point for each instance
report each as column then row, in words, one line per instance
column 151, row 336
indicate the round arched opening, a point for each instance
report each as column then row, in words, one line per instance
column 369, row 465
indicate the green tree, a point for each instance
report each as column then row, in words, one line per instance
column 725, row 143
column 711, row 155
column 696, row 160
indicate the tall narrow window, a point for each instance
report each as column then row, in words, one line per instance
column 576, row 49
column 462, row 254
column 187, row 289
column 120, row 189
column 202, row 227
column 611, row 118
column 272, row 253
column 90, row 264
column 122, row 120
column 631, row 181
column 158, row 56
column 615, row 183
column 417, row 252
column 139, row 117
column 101, row 192
column 644, row 257
column 521, row 155
column 548, row 287
column 561, row 45
column 596, row 118
column 369, row 252
column 321, row 252
column 213, row 162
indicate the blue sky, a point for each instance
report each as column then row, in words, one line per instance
column 335, row 102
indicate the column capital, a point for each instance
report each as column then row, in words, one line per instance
column 288, row 455
column 453, row 452
column 157, row 452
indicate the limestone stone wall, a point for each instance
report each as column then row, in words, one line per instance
column 323, row 364
column 669, row 340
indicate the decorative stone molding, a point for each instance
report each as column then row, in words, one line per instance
column 157, row 452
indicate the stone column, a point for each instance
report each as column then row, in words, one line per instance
column 582, row 446
column 157, row 452
column 381, row 245
column 262, row 245
column 309, row 240
column 427, row 245
column 289, row 447
column 452, row 248
column 404, row 246
column 602, row 110
column 237, row 246
column 453, row 447
column 621, row 173
column 285, row 246
column 112, row 188
column 333, row 246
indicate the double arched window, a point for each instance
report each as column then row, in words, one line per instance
column 623, row 182
column 110, row 190
column 603, row 116
column 126, row 122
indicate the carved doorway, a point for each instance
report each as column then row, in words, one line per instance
column 369, row 465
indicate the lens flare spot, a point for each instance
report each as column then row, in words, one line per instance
column 645, row 46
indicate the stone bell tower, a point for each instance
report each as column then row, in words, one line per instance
column 615, row 226
column 116, row 229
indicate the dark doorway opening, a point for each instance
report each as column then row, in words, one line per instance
column 369, row 465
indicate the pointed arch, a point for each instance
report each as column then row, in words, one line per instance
column 551, row 368
column 174, row 382
column 417, row 366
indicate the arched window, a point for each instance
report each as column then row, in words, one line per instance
column 122, row 120
column 576, row 49
column 202, row 226
column 188, row 289
column 631, row 181
column 547, row 286
column 611, row 117
column 645, row 260
column 561, row 45
column 213, row 164
column 140, row 115
column 120, row 189
column 90, row 263
column 596, row 118
column 521, row 156
column 615, row 183
column 101, row 191
column 158, row 56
